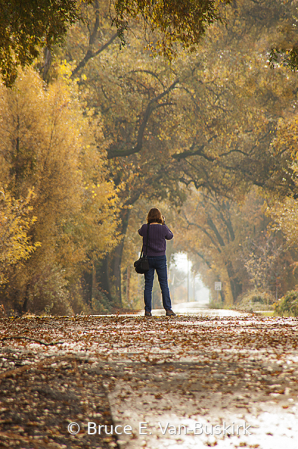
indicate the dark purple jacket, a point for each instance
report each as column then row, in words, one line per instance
column 158, row 234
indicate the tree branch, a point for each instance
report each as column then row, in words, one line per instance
column 204, row 259
column 96, row 24
column 204, row 230
column 213, row 227
column 149, row 72
column 198, row 152
column 152, row 105
column 92, row 54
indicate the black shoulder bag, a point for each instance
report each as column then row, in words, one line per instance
column 142, row 265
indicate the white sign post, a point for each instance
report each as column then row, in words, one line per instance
column 217, row 286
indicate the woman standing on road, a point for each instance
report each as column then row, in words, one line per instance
column 156, row 253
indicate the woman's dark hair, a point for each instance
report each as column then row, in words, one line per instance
column 154, row 216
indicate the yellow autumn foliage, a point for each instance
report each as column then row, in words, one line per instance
column 15, row 221
column 50, row 145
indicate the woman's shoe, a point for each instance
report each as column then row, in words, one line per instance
column 148, row 313
column 170, row 313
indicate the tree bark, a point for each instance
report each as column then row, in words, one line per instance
column 47, row 63
column 109, row 277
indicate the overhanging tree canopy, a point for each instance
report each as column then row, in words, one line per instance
column 28, row 25
column 178, row 21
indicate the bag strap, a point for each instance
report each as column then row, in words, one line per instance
column 142, row 252
column 147, row 238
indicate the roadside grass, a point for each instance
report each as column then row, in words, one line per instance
column 266, row 313
column 214, row 305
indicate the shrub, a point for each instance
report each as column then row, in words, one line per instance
column 48, row 293
column 255, row 300
column 287, row 305
column 100, row 303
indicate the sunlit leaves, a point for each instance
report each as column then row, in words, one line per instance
column 28, row 25
column 15, row 222
column 49, row 145
column 183, row 22
column 234, row 243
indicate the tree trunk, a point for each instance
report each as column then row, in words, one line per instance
column 47, row 63
column 25, row 303
column 109, row 277
column 128, row 285
column 236, row 285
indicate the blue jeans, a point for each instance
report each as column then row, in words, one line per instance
column 158, row 263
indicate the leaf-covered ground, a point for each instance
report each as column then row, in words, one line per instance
column 167, row 372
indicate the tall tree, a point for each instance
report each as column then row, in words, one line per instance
column 177, row 22
column 49, row 146
column 28, row 25
column 15, row 221
column 235, row 244
column 208, row 119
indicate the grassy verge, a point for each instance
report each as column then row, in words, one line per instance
column 265, row 313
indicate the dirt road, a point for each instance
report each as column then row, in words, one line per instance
column 187, row 382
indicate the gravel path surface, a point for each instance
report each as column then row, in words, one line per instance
column 187, row 382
